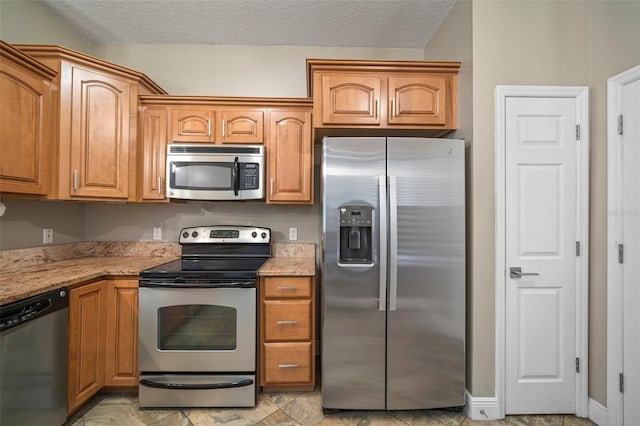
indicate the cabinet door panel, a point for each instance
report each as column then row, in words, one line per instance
column 86, row 343
column 154, row 147
column 290, row 164
column 99, row 135
column 420, row 100
column 351, row 99
column 121, row 363
column 242, row 127
column 24, row 131
column 192, row 126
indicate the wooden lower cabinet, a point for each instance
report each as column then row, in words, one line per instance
column 87, row 316
column 287, row 333
column 103, row 338
column 121, row 356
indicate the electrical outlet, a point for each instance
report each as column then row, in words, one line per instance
column 293, row 234
column 47, row 236
column 157, row 233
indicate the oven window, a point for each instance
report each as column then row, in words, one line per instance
column 197, row 327
column 203, row 176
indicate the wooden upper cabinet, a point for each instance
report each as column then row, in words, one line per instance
column 94, row 142
column 242, row 126
column 290, row 161
column 99, row 146
column 351, row 99
column 384, row 94
column 25, row 120
column 217, row 125
column 284, row 125
column 418, row 100
column 192, row 126
column 152, row 152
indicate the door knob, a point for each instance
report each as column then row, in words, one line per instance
column 516, row 272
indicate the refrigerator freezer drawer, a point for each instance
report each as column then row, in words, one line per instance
column 288, row 363
column 287, row 320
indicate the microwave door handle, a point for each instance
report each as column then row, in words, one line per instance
column 236, row 176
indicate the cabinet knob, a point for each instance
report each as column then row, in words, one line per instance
column 287, row 322
column 287, row 365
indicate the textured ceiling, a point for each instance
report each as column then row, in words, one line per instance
column 336, row 23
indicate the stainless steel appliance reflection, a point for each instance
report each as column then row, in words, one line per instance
column 393, row 283
column 197, row 325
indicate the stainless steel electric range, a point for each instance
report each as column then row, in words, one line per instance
column 197, row 323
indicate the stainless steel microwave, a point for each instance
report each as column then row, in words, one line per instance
column 215, row 172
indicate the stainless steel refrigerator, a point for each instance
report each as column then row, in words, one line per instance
column 393, row 273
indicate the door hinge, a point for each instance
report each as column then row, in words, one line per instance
column 577, row 248
column 620, row 124
column 577, row 132
column 577, row 365
column 620, row 253
column 621, row 382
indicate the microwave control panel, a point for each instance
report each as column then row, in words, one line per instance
column 249, row 176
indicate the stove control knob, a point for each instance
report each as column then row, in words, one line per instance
column 263, row 235
column 194, row 234
column 254, row 234
column 185, row 235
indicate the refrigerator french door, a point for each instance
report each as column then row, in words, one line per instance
column 393, row 273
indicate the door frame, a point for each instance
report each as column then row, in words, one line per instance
column 581, row 94
column 615, row 313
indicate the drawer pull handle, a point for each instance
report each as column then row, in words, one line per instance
column 287, row 288
column 287, row 322
column 287, row 365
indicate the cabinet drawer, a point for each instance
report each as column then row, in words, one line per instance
column 287, row 320
column 287, row 363
column 282, row 287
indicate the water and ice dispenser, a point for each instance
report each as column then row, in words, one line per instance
column 355, row 234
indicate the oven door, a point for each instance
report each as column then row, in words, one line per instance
column 197, row 329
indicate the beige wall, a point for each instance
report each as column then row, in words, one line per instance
column 614, row 47
column 542, row 42
column 28, row 22
column 514, row 43
column 453, row 42
column 199, row 69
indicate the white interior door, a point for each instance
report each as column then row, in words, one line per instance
column 623, row 238
column 540, row 238
column 631, row 253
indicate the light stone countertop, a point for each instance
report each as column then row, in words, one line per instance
column 37, row 279
column 28, row 272
column 303, row 266
column 291, row 259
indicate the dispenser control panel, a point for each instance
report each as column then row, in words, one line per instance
column 355, row 216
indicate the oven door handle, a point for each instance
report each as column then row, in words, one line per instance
column 236, row 176
column 192, row 386
column 179, row 283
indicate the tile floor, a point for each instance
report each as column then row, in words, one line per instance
column 286, row 409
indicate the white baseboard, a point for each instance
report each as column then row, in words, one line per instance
column 480, row 408
column 598, row 413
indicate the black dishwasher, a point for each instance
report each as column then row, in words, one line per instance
column 33, row 360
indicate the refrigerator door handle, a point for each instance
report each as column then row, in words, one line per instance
column 382, row 207
column 393, row 242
